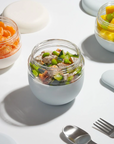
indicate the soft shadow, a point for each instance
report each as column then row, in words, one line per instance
column 106, row 86
column 23, row 107
column 62, row 136
column 5, row 69
column 92, row 50
column 81, row 7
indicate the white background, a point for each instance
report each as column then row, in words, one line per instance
column 29, row 121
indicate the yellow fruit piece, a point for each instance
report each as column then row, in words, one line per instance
column 107, row 35
column 104, row 16
column 112, row 21
column 110, row 37
column 110, row 9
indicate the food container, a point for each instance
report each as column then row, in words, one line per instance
column 104, row 26
column 54, row 90
column 10, row 45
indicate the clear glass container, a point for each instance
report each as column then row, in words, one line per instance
column 69, row 73
column 9, row 39
column 103, row 26
column 56, row 85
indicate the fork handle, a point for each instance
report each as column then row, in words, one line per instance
column 91, row 142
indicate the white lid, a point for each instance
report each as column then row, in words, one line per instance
column 92, row 6
column 4, row 139
column 29, row 15
column 108, row 78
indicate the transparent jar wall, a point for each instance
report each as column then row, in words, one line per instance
column 103, row 28
column 10, row 37
column 73, row 72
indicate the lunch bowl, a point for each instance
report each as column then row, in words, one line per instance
column 104, row 26
column 10, row 43
column 52, row 84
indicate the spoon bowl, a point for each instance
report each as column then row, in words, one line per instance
column 77, row 135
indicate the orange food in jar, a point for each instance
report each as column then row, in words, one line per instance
column 9, row 40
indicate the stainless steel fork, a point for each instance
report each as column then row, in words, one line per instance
column 105, row 127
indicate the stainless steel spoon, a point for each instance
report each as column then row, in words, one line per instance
column 76, row 135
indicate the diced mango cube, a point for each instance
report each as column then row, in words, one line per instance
column 104, row 16
column 112, row 21
column 110, row 9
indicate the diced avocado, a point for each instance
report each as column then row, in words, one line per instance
column 67, row 82
column 59, row 59
column 67, row 57
column 35, row 73
column 49, row 65
column 67, row 53
column 33, row 66
column 58, row 77
column 55, row 53
column 67, row 61
column 62, row 54
column 45, row 54
column 70, row 78
column 41, row 70
column 74, row 55
column 78, row 70
column 54, row 62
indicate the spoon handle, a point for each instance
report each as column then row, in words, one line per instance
column 91, row 142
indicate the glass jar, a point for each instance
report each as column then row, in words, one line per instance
column 55, row 84
column 74, row 70
column 10, row 43
column 104, row 26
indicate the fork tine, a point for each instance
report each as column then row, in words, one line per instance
column 101, row 129
column 107, row 123
column 103, row 125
